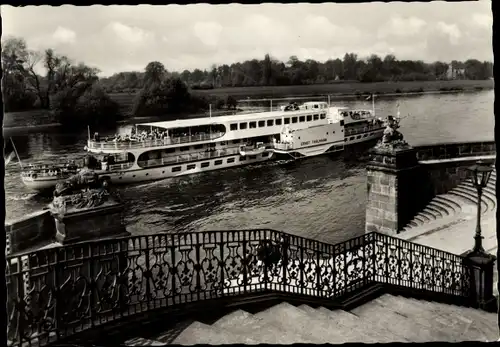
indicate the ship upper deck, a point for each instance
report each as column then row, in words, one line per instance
column 185, row 131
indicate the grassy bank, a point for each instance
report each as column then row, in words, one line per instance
column 352, row 88
column 126, row 100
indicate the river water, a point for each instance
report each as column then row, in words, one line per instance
column 321, row 197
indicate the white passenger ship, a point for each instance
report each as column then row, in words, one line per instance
column 173, row 148
column 343, row 127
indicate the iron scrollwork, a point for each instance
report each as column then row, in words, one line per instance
column 55, row 293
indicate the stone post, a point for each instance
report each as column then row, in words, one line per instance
column 392, row 175
column 481, row 265
column 90, row 224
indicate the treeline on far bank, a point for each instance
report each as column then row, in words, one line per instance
column 74, row 96
column 351, row 69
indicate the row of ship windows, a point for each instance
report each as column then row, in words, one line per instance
column 210, row 145
column 216, row 163
column 357, row 137
column 278, row 121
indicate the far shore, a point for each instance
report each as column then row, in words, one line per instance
column 337, row 90
column 350, row 89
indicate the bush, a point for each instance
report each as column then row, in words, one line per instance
column 75, row 109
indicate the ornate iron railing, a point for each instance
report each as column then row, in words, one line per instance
column 55, row 293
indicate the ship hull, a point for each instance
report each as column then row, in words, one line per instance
column 42, row 184
column 138, row 175
column 367, row 138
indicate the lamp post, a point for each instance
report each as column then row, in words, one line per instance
column 480, row 175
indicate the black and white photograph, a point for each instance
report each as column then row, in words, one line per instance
column 249, row 173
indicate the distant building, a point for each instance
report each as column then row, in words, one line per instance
column 455, row 73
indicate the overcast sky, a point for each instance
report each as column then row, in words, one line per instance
column 126, row 38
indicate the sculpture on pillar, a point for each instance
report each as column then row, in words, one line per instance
column 81, row 191
column 392, row 139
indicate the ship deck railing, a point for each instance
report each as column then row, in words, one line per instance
column 181, row 158
column 349, row 132
column 120, row 167
column 166, row 141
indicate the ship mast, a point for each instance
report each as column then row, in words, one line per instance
column 328, row 110
column 373, row 104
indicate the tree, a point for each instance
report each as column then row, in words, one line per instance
column 213, row 75
column 154, row 73
column 17, row 97
column 231, row 102
column 170, row 96
column 475, row 70
column 95, row 108
column 267, row 71
column 186, row 76
column 350, row 64
column 440, row 69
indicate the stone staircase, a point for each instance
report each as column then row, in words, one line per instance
column 387, row 318
column 458, row 204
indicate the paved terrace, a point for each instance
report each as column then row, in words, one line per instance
column 457, row 238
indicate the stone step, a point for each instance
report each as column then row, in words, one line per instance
column 487, row 198
column 140, row 341
column 475, row 324
column 293, row 319
column 430, row 215
column 448, row 327
column 353, row 325
column 419, row 315
column 422, row 216
column 490, row 191
column 419, row 221
column 435, row 211
column 378, row 316
column 412, row 224
column 449, row 200
column 491, row 188
column 469, row 200
column 199, row 333
column 259, row 329
column 338, row 331
column 447, row 209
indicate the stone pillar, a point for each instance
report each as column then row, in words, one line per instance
column 392, row 175
column 481, row 265
column 99, row 222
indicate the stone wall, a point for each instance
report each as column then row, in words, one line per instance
column 455, row 150
column 34, row 230
column 440, row 173
column 400, row 183
column 443, row 177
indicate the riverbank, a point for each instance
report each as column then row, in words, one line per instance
column 353, row 88
column 336, row 90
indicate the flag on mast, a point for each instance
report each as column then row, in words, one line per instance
column 9, row 152
column 9, row 158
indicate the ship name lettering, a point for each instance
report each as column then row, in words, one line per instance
column 319, row 141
